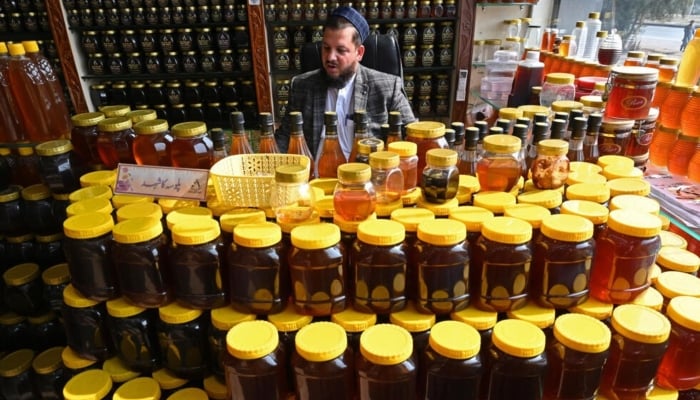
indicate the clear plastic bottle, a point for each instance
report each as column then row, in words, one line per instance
column 580, row 37
column 12, row 129
column 593, row 25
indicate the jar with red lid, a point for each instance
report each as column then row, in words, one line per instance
column 152, row 143
column 191, row 147
column 629, row 92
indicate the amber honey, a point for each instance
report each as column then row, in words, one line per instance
column 426, row 135
column 191, row 148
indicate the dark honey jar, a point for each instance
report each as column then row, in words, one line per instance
column 84, row 135
column 182, row 335
column 418, row 324
column 85, row 321
column 49, row 250
column 55, row 280
column 354, row 323
column 222, row 320
column 288, row 323
column 11, row 221
column 48, row 379
column 23, row 289
column 134, row 335
column 16, row 374
column 59, row 166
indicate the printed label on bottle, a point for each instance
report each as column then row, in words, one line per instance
column 629, row 275
column 634, row 102
column 443, row 287
column 380, row 286
column 564, row 283
column 503, row 285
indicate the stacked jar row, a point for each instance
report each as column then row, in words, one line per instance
column 29, row 21
column 73, row 4
column 282, row 10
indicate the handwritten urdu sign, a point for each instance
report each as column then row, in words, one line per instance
column 178, row 183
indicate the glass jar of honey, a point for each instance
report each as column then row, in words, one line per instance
column 222, row 320
column 152, row 143
column 385, row 368
column 59, row 167
column 191, row 147
column 49, row 377
column 499, row 168
column 85, row 320
column 410, row 218
column 354, row 198
column 115, row 137
column 55, row 279
column 354, row 323
column 133, row 334
column 84, row 135
column 426, row 135
column 440, row 177
column 22, row 293
column 182, row 335
column 678, row 369
column 550, row 168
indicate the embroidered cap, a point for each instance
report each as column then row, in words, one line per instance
column 355, row 18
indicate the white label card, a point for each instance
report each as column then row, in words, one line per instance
column 177, row 183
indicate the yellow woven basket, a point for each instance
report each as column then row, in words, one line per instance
column 244, row 180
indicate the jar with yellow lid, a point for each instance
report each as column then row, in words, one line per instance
column 290, row 196
column 354, row 198
column 533, row 214
column 11, row 207
column 84, row 135
column 625, row 254
column 557, row 86
column 139, row 210
column 19, row 248
column 258, row 282
column 98, row 205
column 91, row 192
column 387, row 177
column 215, row 387
column 190, row 393
column 222, row 320
column 169, row 382
column 410, row 218
column 16, row 374
column 87, row 244
column 101, row 177
column 561, row 261
column 115, row 137
column 49, row 375
column 442, row 261
column 152, row 143
column 498, row 167
column 134, row 335
column 191, row 147
column 516, row 361
column 182, row 335
column 74, row 363
column 23, row 289
column 323, row 362
column 496, row 202
column 55, row 279
column 636, row 186
column 37, row 208
column 195, row 259
column 118, row 371
column 418, row 324
column 426, row 135
column 354, row 323
column 385, row 368
column 672, row 284
column 635, row 202
column 639, row 341
column 255, row 363
column 93, row 384
column 141, row 388
column 440, row 176
column 672, row 239
column 592, row 211
column 85, row 320
column 595, row 192
column 379, row 262
column 542, row 317
column 550, row 168
column 501, row 263
column 576, row 357
column 594, row 308
column 232, row 218
column 316, row 269
column 472, row 217
column 46, row 330
column 453, row 365
column 59, row 166
column 677, row 259
column 678, row 368
column 483, row 322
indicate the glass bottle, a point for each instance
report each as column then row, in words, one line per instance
column 440, row 177
column 182, row 335
column 239, row 137
column 218, row 140
column 297, row 141
column 590, row 142
column 498, row 169
column 578, row 132
column 395, row 127
column 267, row 143
column 354, row 197
column 152, row 143
column 191, row 147
column 330, row 155
column 361, row 131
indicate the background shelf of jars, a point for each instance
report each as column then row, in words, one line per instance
column 187, row 59
column 425, row 31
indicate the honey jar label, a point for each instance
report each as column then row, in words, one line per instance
column 628, row 276
column 379, row 287
column 318, row 289
column 443, row 288
column 565, row 284
column 503, row 286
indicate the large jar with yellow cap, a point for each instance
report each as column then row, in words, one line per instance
column 290, row 195
column 91, row 384
column 196, row 266
column 288, row 322
column 379, row 264
column 46, row 330
column 257, row 273
column 672, row 284
column 49, row 375
column 410, row 218
column 550, row 168
column 385, row 368
column 115, row 137
column 191, row 147
column 59, row 167
column 442, row 266
column 498, row 168
column 453, row 366
column 426, row 135
column 624, row 257
column 354, row 197
column 222, row 320
column 576, row 357
column 23, row 289
column 139, row 255
column 19, row 248
column 517, row 362
column 74, row 363
column 639, row 341
column 483, row 322
column 152, row 143
column 418, row 324
column 255, row 363
column 679, row 368
column 118, row 370
column 14, row 331
column 87, row 245
column 49, row 250
column 440, row 178
column 316, row 269
column 323, row 362
column 38, row 214
column 354, row 323
column 11, row 210
column 592, row 211
column 182, row 335
column 85, row 320
column 16, row 374
column 134, row 335
column 501, row 264
column 561, row 261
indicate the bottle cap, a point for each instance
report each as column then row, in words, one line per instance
column 48, row 361
column 53, row 147
column 176, row 314
column 672, row 239
column 403, row 148
column 138, row 116
column 582, row 333
column 36, row 192
column 518, row 338
column 150, row 127
column 291, row 173
column 386, row 344
column 560, row 78
column 566, row 106
column 381, row 232
column 468, row 185
column 188, row 129
column 593, row 308
column 138, row 388
column 683, row 311
column 455, row 340
column 354, row 173
column 257, row 235
column 635, row 223
column 441, row 157
column 596, row 192
column 609, row 159
column 471, row 216
column 425, row 129
column 541, row 317
column 439, row 209
column 195, row 231
column 442, row 232
column 315, row 236
column 10, row 318
column 56, row 274
column 90, row 384
column 16, row 363
column 500, row 143
column 354, row 321
column 225, row 318
column 250, row 340
column 120, row 200
column 91, row 192
column 507, row 230
column 289, row 320
column 120, row 308
column 114, row 124
column 287, row 227
column 674, row 283
column 623, row 185
column 140, row 210
column 552, row 147
column 190, row 393
column 641, row 324
column 592, row 211
column 383, row 160
column 96, row 205
column 495, row 202
column 73, row 360
column 636, row 203
column 120, row 373
column 533, row 214
column 677, row 259
column 548, row 199
column 567, row 228
column 215, row 388
column 321, row 341
column 411, row 320
column 617, row 171
column 651, row 298
column 87, row 226
column 510, row 113
column 167, row 380
column 411, row 217
column 481, row 320
column 186, row 214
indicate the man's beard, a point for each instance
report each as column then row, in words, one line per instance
column 342, row 79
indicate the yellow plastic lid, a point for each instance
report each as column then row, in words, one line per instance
column 324, row 206
column 315, row 236
column 381, row 232
column 326, row 184
column 641, row 324
column 672, row 239
column 665, row 222
column 188, row 129
column 137, row 230
column 225, row 318
column 385, row 209
column 169, row 205
column 120, row 308
column 354, row 321
column 673, row 284
column 56, row 274
column 441, row 157
column 321, row 341
column 530, row 213
column 145, row 115
column 386, row 344
column 496, row 202
column 139, row 210
column 215, row 388
column 291, row 173
column 567, row 228
column 21, row 274
column 636, row 186
column 99, row 205
column 584, row 177
column 471, row 216
column 74, row 361
column 593, row 308
column 87, row 226
column 87, row 119
column 403, row 148
column 287, row 227
column 618, row 171
column 251, row 340
column 507, row 230
column 518, row 338
column 354, row 172
column 510, row 113
column 48, row 361
column 411, row 198
column 582, row 333
column 10, row 194
column 633, row 222
column 186, row 214
column 118, row 110
column 425, row 129
column 114, row 124
column 610, row 159
column 592, row 211
column 195, row 231
column 411, row 320
column 119, row 372
column 530, row 110
column 542, row 317
column 659, row 393
column 481, row 320
column 53, row 147
column 468, row 185
column 442, row 232
column 552, row 147
column 289, row 320
column 546, row 198
column 501, row 143
column 36, row 192
column 411, row 217
column 167, row 380
column 566, row 105
column 677, row 259
column 175, row 314
column 264, row 234
column 384, row 159
column 51, row 237
column 93, row 384
column 73, row 298
column 651, row 298
column 190, row 393
column 91, row 192
column 439, row 209
column 349, row 226
column 16, row 363
column 120, row 200
column 684, row 311
column 560, row 78
column 455, row 340
column 144, row 388
column 230, row 219
column 597, row 192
